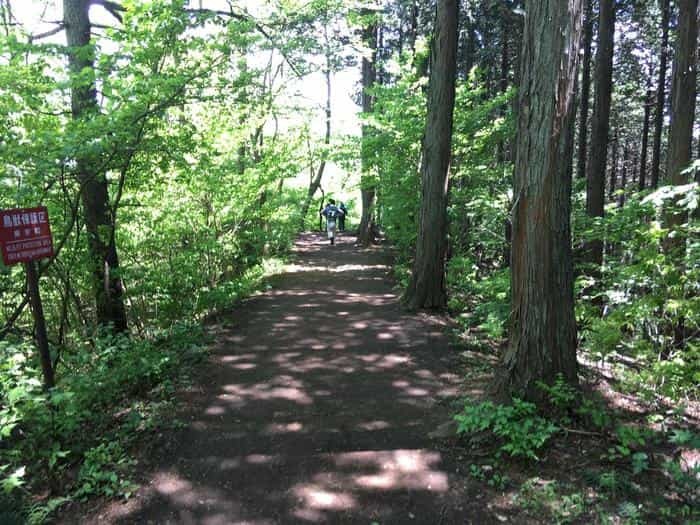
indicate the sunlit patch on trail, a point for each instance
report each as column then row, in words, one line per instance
column 238, row 395
column 358, row 473
column 284, row 428
column 215, row 410
column 316, row 497
column 334, row 268
column 397, row 469
column 374, row 425
column 260, row 459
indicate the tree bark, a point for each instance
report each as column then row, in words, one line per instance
column 645, row 134
column 469, row 46
column 613, row 166
column 623, row 177
column 683, row 91
column 503, row 146
column 660, row 95
column 427, row 286
column 585, row 90
column 600, row 126
column 99, row 219
column 542, row 343
column 366, row 232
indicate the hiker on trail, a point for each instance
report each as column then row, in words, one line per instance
column 332, row 214
column 343, row 214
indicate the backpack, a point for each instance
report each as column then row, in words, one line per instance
column 331, row 213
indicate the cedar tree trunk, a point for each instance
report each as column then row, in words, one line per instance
column 585, row 91
column 542, row 342
column 648, row 101
column 660, row 95
column 683, row 90
column 427, row 286
column 600, row 125
column 366, row 232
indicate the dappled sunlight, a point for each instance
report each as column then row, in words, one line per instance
column 397, row 469
column 243, row 366
column 374, row 425
column 238, row 395
column 316, row 497
column 356, row 474
column 319, row 408
column 334, row 268
column 284, row 428
column 216, row 410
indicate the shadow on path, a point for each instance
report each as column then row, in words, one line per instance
column 316, row 409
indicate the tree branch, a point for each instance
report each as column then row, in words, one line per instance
column 258, row 26
column 113, row 8
column 60, row 27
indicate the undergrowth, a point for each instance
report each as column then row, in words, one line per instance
column 79, row 440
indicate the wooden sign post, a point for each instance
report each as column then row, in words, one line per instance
column 25, row 237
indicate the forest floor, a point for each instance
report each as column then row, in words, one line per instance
column 319, row 404
column 316, row 407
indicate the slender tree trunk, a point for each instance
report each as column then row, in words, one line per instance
column 414, row 26
column 660, row 95
column 366, row 232
column 470, row 46
column 427, row 286
column 613, row 166
column 585, row 90
column 683, row 93
column 504, row 52
column 595, row 192
column 502, row 153
column 542, row 342
column 99, row 219
column 623, row 177
column 645, row 134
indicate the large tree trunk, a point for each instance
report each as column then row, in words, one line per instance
column 660, row 95
column 542, row 341
column 366, row 232
column 600, row 126
column 683, row 92
column 585, row 90
column 99, row 219
column 427, row 286
column 648, row 101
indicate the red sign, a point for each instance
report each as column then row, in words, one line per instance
column 25, row 235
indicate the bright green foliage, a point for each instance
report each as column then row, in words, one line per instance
column 648, row 294
column 521, row 431
column 118, row 389
column 480, row 187
column 192, row 136
column 394, row 146
column 102, row 472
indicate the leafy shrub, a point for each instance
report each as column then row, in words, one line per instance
column 44, row 433
column 518, row 427
column 103, row 472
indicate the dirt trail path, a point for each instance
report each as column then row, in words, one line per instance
column 316, row 409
